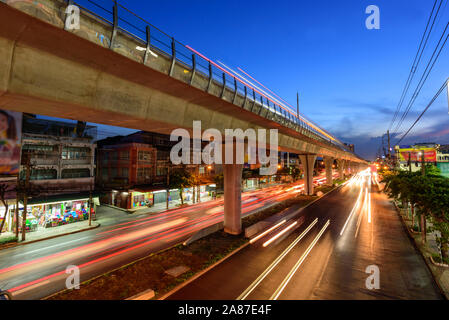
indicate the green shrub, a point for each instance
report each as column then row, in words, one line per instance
column 8, row 240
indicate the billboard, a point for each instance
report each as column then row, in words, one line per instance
column 430, row 154
column 10, row 140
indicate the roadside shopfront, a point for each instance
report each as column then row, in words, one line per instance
column 9, row 224
column 53, row 212
column 141, row 199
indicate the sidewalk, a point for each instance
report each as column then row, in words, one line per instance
column 441, row 274
column 104, row 216
column 159, row 207
column 47, row 233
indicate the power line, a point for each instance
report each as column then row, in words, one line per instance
column 415, row 63
column 425, row 109
column 424, row 76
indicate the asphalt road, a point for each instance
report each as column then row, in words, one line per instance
column 317, row 260
column 36, row 270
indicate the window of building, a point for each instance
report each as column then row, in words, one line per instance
column 104, row 174
column 144, row 175
column 75, row 173
column 124, row 155
column 40, row 174
column 163, row 155
column 144, row 156
column 37, row 148
column 75, row 153
column 125, row 172
column 161, row 171
column 160, row 141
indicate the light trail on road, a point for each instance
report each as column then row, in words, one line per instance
column 292, row 272
column 283, row 231
column 354, row 209
column 270, row 268
column 164, row 229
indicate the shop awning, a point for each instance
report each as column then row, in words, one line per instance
column 144, row 189
column 62, row 197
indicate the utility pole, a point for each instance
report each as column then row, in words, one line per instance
column 297, row 104
column 389, row 147
column 168, row 184
column 410, row 162
column 16, row 215
column 16, row 210
column 25, row 195
column 423, row 165
column 90, row 206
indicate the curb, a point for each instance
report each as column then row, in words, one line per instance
column 412, row 240
column 443, row 265
column 146, row 295
column 199, row 274
column 16, row 244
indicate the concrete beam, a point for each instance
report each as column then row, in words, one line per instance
column 47, row 70
column 232, row 174
column 308, row 163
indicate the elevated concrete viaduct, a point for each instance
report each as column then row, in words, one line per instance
column 104, row 74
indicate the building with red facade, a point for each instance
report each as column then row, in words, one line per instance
column 133, row 171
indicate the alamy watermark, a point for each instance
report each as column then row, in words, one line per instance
column 373, row 20
column 72, row 20
column 73, row 280
column 373, row 280
column 231, row 152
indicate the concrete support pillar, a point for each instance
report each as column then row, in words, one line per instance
column 341, row 165
column 308, row 163
column 232, row 174
column 328, row 163
column 347, row 168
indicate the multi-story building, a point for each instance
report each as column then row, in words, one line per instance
column 133, row 170
column 58, row 165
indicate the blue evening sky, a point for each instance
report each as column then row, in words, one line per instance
column 350, row 78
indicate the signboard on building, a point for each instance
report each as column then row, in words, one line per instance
column 10, row 140
column 430, row 154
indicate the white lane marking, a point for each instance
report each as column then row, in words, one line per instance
column 262, row 276
column 369, row 207
column 267, row 231
column 292, row 272
column 364, row 208
column 280, row 234
column 356, row 205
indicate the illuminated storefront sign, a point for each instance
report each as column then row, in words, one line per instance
column 415, row 155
